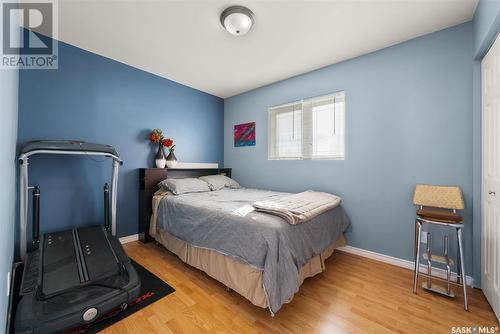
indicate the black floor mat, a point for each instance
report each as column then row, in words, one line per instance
column 152, row 289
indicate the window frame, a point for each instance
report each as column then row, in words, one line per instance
column 271, row 126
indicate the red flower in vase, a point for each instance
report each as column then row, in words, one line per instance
column 167, row 142
column 154, row 137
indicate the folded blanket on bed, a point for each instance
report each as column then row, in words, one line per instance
column 298, row 208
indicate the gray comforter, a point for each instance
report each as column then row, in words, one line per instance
column 225, row 221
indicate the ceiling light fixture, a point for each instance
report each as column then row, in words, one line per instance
column 237, row 20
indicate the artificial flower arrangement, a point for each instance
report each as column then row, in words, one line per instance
column 157, row 137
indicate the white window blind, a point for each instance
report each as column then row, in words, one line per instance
column 308, row 129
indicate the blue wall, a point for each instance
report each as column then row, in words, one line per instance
column 8, row 129
column 409, row 115
column 96, row 99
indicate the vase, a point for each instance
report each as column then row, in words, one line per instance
column 160, row 157
column 171, row 159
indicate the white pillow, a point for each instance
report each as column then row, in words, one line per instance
column 217, row 182
column 184, row 186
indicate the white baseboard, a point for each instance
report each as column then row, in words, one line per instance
column 129, row 238
column 401, row 263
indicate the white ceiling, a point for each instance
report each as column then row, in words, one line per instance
column 184, row 41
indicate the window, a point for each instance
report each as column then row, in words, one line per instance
column 308, row 129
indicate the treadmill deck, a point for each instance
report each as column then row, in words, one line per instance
column 71, row 259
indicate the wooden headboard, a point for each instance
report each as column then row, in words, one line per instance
column 148, row 185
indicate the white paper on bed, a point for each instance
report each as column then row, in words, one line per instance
column 299, row 208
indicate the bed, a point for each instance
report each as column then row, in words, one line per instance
column 256, row 254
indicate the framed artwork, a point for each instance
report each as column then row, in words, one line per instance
column 244, row 134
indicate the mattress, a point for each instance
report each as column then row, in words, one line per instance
column 224, row 221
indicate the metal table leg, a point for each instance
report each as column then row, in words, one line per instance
column 415, row 239
column 459, row 263
column 462, row 267
column 417, row 256
column 429, row 262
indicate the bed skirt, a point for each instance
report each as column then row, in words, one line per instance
column 240, row 277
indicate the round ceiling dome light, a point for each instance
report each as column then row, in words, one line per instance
column 237, row 20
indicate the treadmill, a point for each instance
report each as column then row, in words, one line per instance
column 71, row 278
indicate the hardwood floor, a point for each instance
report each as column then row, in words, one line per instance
column 353, row 295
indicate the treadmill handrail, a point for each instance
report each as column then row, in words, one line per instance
column 24, row 186
column 66, row 145
column 35, row 152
